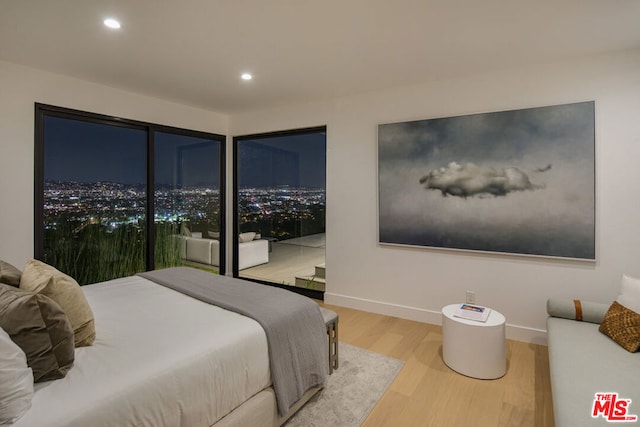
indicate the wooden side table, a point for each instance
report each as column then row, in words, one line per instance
column 472, row 348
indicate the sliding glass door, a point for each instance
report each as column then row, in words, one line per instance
column 94, row 211
column 188, row 206
column 115, row 197
column 280, row 205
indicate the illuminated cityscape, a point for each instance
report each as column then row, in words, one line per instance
column 279, row 212
column 283, row 212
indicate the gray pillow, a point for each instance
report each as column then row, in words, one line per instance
column 41, row 329
column 586, row 311
column 9, row 274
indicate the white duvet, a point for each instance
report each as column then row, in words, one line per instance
column 160, row 358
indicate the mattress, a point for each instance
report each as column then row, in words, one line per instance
column 160, row 358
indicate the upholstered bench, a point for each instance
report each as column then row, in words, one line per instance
column 331, row 320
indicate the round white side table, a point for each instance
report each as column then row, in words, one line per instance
column 472, row 348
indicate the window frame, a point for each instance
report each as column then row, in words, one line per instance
column 311, row 293
column 44, row 110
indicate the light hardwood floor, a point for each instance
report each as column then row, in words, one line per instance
column 427, row 393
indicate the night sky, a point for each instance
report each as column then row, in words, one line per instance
column 294, row 160
column 200, row 161
column 91, row 152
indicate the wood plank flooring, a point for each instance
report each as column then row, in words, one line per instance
column 428, row 393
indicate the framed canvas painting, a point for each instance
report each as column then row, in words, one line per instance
column 517, row 182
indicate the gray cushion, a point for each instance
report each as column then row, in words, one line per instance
column 9, row 274
column 566, row 308
column 41, row 329
column 584, row 362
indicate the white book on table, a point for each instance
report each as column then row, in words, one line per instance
column 472, row 312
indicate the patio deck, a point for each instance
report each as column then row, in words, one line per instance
column 290, row 258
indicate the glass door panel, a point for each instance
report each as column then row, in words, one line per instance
column 187, row 201
column 281, row 204
column 94, row 199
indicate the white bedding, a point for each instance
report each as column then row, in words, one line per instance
column 160, row 359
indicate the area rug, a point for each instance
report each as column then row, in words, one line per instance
column 351, row 392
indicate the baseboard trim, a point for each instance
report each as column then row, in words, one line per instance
column 513, row 332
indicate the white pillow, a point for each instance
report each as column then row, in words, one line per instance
column 630, row 293
column 246, row 237
column 16, row 381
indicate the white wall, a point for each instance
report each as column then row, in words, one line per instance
column 20, row 88
column 414, row 282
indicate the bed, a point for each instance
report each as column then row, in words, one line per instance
column 163, row 358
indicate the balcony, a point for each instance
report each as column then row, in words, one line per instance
column 295, row 262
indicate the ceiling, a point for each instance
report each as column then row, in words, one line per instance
column 193, row 51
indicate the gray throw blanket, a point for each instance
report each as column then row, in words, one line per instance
column 295, row 330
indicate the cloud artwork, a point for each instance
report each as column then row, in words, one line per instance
column 544, row 169
column 514, row 182
column 473, row 180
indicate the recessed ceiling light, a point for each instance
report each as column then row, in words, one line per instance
column 112, row 23
column 246, row 76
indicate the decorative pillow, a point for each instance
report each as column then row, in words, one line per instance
column 246, row 237
column 9, row 274
column 40, row 328
column 630, row 293
column 184, row 230
column 623, row 326
column 16, row 381
column 586, row 311
column 46, row 280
